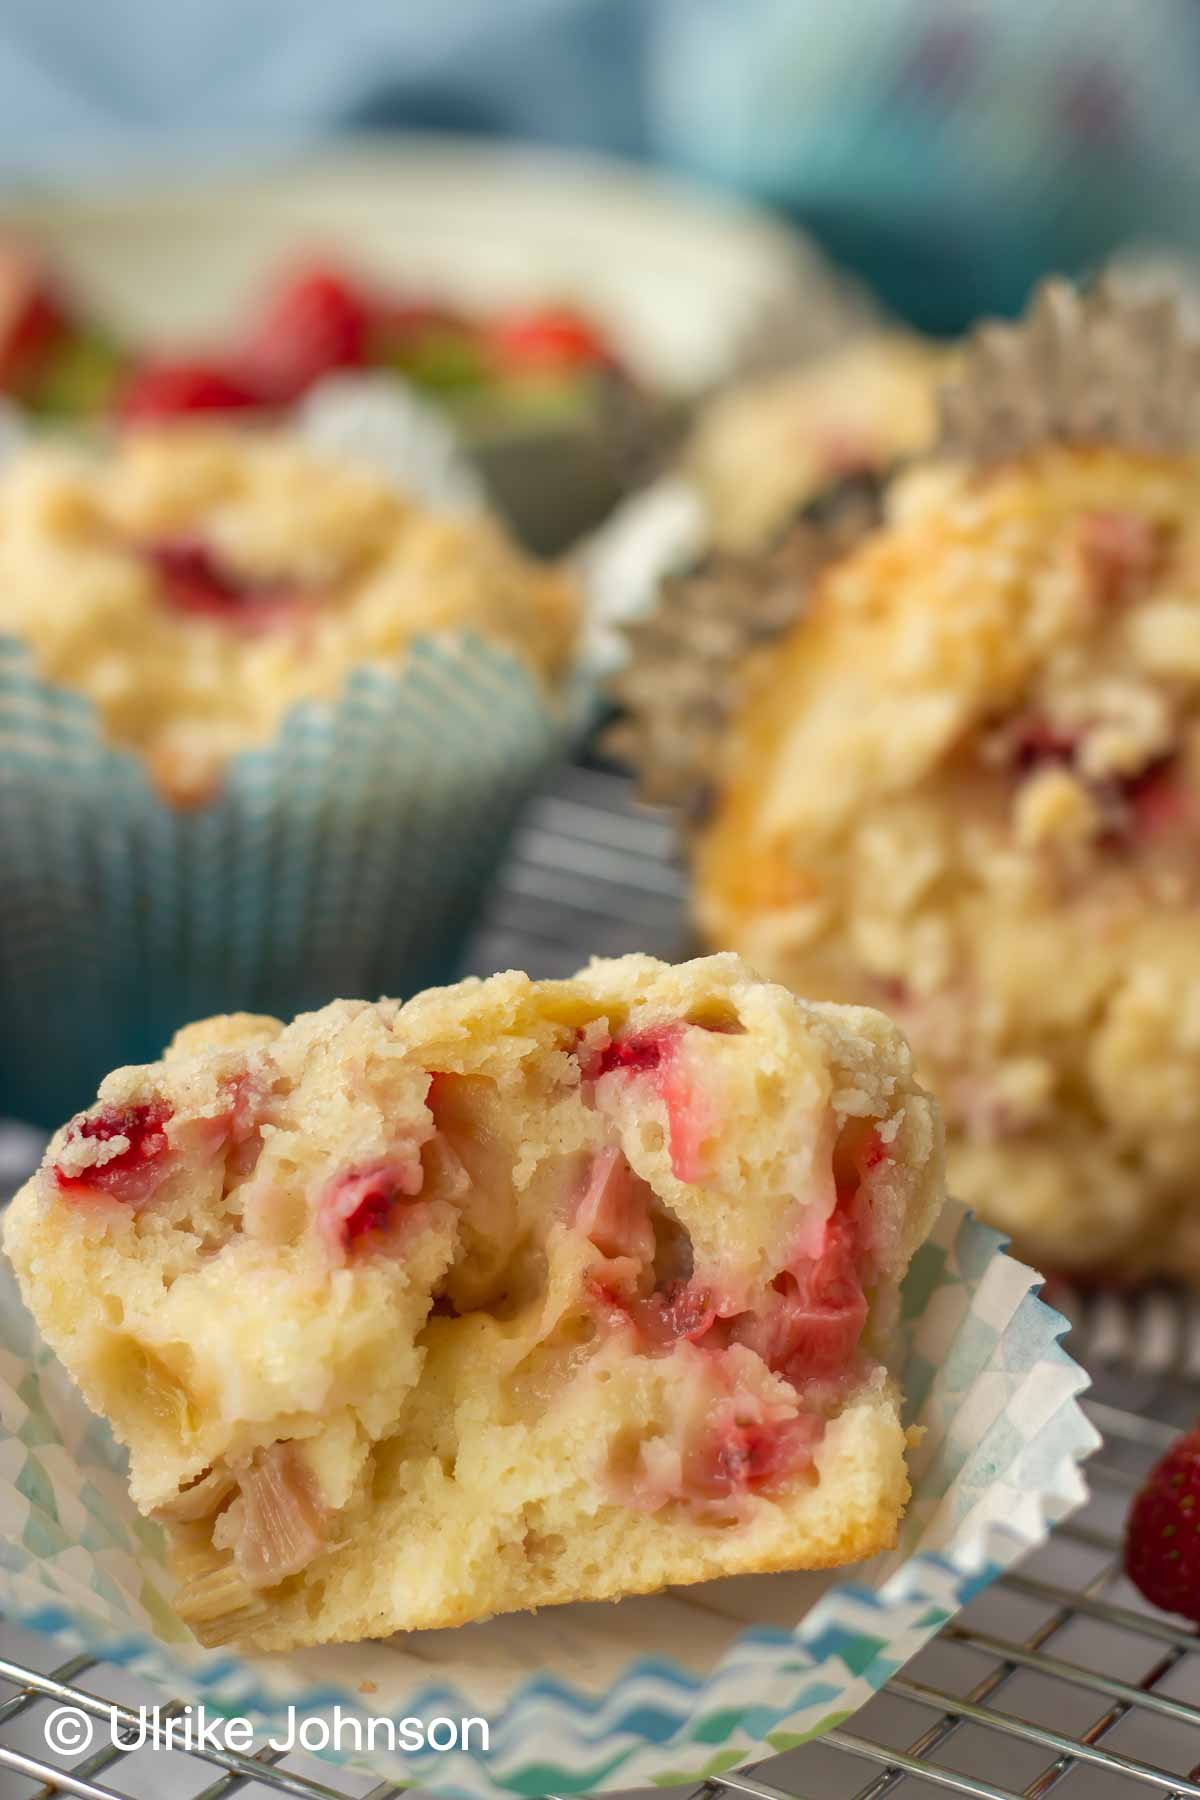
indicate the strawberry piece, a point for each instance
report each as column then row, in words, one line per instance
column 1159, row 803
column 176, row 389
column 1121, row 553
column 810, row 1329
column 316, row 321
column 738, row 1458
column 640, row 1054
column 691, row 1114
column 553, row 339
column 133, row 1174
column 32, row 319
column 1039, row 744
column 1162, row 1536
column 361, row 1203
column 195, row 580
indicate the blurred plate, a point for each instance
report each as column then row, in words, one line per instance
column 689, row 285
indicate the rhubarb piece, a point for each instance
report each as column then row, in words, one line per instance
column 531, row 1292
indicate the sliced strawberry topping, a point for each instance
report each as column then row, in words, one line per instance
column 168, row 390
column 737, row 1458
column 131, row 1175
column 1121, row 552
column 362, row 1202
column 317, row 321
column 195, row 580
column 553, row 339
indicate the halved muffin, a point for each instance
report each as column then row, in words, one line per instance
column 515, row 1294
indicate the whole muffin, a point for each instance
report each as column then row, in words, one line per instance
column 199, row 582
column 266, row 724
column 964, row 782
column 765, row 447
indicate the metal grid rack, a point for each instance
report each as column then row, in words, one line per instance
column 1058, row 1679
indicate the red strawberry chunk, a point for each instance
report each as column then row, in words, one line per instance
column 639, row 1054
column 555, row 338
column 1159, row 803
column 361, row 1203
column 1162, row 1536
column 1121, row 552
column 32, row 319
column 692, row 1116
column 194, row 579
column 1038, row 744
column 316, row 322
column 132, row 1175
column 169, row 390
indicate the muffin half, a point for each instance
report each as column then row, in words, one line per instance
column 516, row 1294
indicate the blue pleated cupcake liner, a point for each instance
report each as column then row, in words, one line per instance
column 659, row 1689
column 346, row 858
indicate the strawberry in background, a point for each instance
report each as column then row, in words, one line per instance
column 1162, row 1537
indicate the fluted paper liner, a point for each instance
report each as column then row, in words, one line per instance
column 1104, row 364
column 661, row 1688
column 682, row 676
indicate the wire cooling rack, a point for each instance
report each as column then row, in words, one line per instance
column 1057, row 1680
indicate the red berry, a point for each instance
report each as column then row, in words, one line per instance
column 317, row 321
column 552, row 339
column 737, row 1458
column 132, row 1175
column 361, row 1203
column 810, row 1329
column 639, row 1054
column 1039, row 744
column 1162, row 1537
column 32, row 319
column 170, row 390
column 194, row 579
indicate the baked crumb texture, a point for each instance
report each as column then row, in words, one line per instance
column 197, row 582
column 515, row 1294
column 766, row 447
column 967, row 788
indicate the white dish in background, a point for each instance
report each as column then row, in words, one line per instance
column 685, row 280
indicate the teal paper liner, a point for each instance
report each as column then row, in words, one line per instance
column 346, row 859
column 984, row 1374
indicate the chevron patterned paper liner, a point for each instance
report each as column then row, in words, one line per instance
column 657, row 1689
